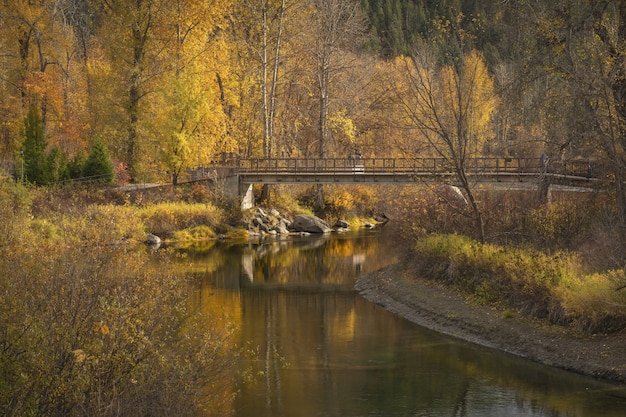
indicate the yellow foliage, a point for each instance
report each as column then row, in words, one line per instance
column 554, row 283
column 342, row 125
column 74, row 312
column 451, row 107
column 166, row 218
column 593, row 301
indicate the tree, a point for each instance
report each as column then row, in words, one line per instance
column 75, row 165
column 584, row 48
column 338, row 27
column 154, row 47
column 451, row 108
column 98, row 165
column 56, row 166
column 35, row 160
column 129, row 32
column 187, row 109
column 267, row 49
column 260, row 28
column 39, row 70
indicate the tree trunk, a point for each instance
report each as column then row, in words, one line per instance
column 478, row 215
column 265, row 194
column 620, row 194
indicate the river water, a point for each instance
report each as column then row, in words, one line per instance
column 322, row 350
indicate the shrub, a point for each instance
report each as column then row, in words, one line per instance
column 286, row 199
column 559, row 223
column 103, row 331
column 202, row 232
column 199, row 194
column 98, row 164
column 596, row 302
column 521, row 279
column 89, row 328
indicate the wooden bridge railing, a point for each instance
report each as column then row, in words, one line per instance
column 426, row 167
column 406, row 166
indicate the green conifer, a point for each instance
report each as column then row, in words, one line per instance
column 35, row 160
column 98, row 165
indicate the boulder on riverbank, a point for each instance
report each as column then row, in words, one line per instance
column 153, row 241
column 309, row 224
column 341, row 224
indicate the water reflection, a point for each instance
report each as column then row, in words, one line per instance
column 325, row 351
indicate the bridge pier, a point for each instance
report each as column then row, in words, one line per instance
column 544, row 189
column 236, row 188
column 247, row 196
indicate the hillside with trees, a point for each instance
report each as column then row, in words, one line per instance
column 165, row 86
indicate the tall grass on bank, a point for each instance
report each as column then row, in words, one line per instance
column 113, row 223
column 164, row 219
column 539, row 285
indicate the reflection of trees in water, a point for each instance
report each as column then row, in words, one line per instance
column 319, row 260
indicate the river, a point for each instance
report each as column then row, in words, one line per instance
column 322, row 350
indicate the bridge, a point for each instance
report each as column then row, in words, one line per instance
column 356, row 170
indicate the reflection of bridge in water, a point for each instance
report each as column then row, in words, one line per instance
column 355, row 170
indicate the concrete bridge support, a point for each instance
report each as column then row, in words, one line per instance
column 247, row 196
column 544, row 190
column 234, row 187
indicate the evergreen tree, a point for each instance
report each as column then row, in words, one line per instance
column 35, row 160
column 98, row 164
column 57, row 166
column 75, row 165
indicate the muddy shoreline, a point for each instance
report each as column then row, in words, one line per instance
column 423, row 302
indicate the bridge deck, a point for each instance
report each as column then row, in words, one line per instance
column 404, row 170
column 397, row 170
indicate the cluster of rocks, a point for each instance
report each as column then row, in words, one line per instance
column 273, row 223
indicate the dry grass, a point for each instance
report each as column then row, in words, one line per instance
column 540, row 285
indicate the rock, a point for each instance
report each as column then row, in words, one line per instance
column 381, row 218
column 281, row 228
column 309, row 224
column 153, row 239
column 262, row 214
column 341, row 224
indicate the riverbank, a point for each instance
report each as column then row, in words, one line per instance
column 399, row 291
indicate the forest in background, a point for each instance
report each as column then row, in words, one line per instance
column 165, row 86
